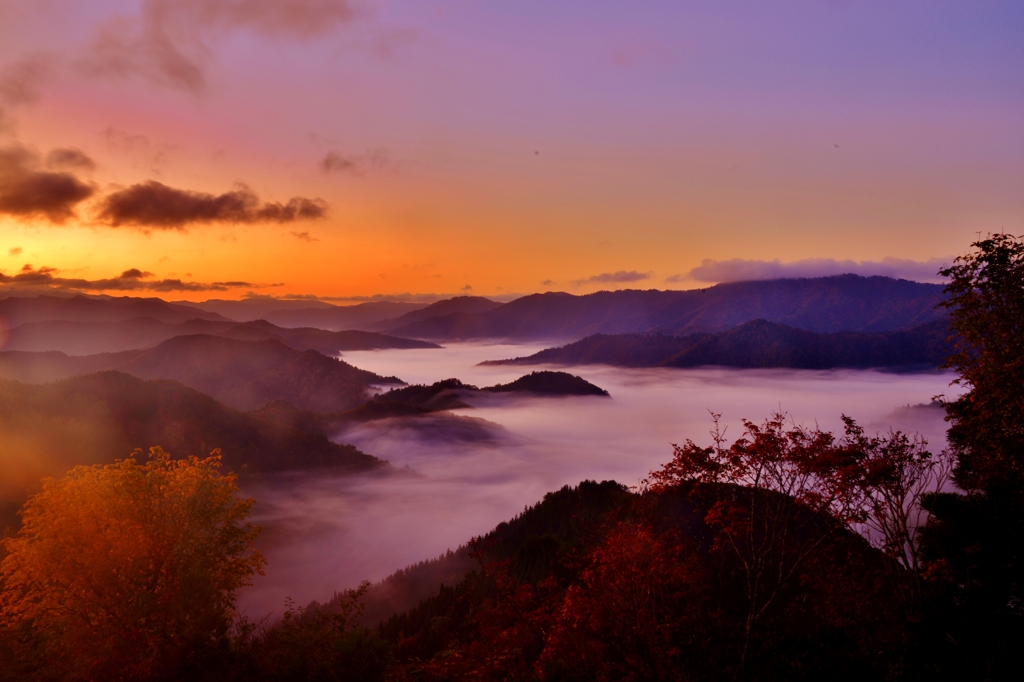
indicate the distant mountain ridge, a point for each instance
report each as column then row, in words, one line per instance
column 755, row 344
column 341, row 318
column 242, row 374
column 88, row 338
column 826, row 304
column 22, row 310
column 457, row 304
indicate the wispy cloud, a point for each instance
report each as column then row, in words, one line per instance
column 69, row 159
column 169, row 41
column 359, row 164
column 738, row 269
column 48, row 279
column 153, row 205
column 619, row 277
column 21, row 81
column 304, row 237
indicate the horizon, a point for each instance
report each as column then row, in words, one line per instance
column 425, row 299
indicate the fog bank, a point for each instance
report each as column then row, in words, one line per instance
column 327, row 533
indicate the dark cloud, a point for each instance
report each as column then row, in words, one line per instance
column 360, row 164
column 468, row 287
column 69, row 159
column 153, row 205
column 304, row 237
column 620, row 277
column 26, row 191
column 168, row 42
column 547, row 282
column 738, row 269
column 46, row 278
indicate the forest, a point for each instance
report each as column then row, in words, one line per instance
column 787, row 553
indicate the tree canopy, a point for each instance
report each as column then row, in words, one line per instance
column 128, row 571
column 986, row 304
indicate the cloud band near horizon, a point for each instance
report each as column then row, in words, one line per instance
column 743, row 270
column 46, row 279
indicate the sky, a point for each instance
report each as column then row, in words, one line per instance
column 352, row 149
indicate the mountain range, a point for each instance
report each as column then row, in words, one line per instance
column 76, row 337
column 826, row 304
column 18, row 310
column 755, row 344
column 242, row 374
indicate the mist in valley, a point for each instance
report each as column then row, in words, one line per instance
column 461, row 475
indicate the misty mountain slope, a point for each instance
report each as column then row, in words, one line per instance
column 827, row 304
column 249, row 374
column 88, row 338
column 578, row 560
column 243, row 374
column 46, row 429
column 23, row 310
column 340, row 318
column 429, row 424
column 755, row 344
column 547, row 528
column 426, row 409
column 457, row 304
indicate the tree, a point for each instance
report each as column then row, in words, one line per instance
column 986, row 304
column 976, row 539
column 792, row 489
column 128, row 571
column 897, row 474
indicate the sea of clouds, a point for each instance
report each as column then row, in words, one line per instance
column 466, row 474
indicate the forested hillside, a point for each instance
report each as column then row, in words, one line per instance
column 756, row 344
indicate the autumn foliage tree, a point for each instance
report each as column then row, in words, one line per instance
column 127, row 571
column 778, row 495
column 792, row 489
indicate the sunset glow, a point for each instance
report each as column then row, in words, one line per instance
column 509, row 149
